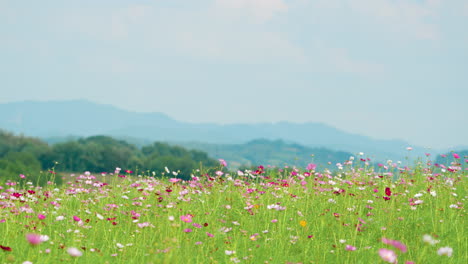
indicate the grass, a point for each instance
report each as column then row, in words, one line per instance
column 274, row 215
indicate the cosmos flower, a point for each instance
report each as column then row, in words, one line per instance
column 74, row 252
column 445, row 251
column 388, row 255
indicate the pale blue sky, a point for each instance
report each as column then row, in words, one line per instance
column 382, row 68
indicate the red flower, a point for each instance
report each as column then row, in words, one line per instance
column 388, row 192
column 5, row 248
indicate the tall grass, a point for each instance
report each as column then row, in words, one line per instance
column 273, row 215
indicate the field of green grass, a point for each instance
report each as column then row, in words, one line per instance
column 355, row 214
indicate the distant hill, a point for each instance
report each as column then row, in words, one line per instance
column 83, row 118
column 268, row 152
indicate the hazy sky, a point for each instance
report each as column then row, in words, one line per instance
column 382, row 68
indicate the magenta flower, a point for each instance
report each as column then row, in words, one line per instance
column 456, row 156
column 311, row 166
column 209, row 234
column 186, row 218
column 350, row 248
column 395, row 243
column 388, row 192
column 34, row 239
column 388, row 255
column 76, row 218
column 41, row 216
column 188, row 230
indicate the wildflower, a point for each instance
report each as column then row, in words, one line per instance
column 186, row 218
column 395, row 243
column 5, row 248
column 222, row 162
column 303, row 223
column 209, row 234
column 342, row 241
column 142, row 225
column 430, row 240
column 27, row 262
column 311, row 166
column 119, row 245
column 388, row 192
column 388, row 255
column 174, row 180
column 59, row 218
column 456, row 156
column 445, row 251
column 41, row 216
column 350, row 248
column 188, row 230
column 229, row 252
column 34, row 239
column 76, row 218
column 74, row 252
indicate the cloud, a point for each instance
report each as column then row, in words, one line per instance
column 262, row 10
column 409, row 19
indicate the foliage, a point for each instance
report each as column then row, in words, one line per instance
column 24, row 155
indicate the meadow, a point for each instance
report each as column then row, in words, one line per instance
column 349, row 213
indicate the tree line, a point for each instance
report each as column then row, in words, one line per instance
column 97, row 154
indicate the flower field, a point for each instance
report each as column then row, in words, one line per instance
column 351, row 213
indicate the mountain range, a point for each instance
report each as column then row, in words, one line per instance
column 80, row 118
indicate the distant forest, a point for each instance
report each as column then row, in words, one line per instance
column 97, row 154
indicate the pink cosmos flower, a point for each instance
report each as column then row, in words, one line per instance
column 395, row 243
column 456, row 156
column 186, row 218
column 188, row 230
column 222, row 162
column 41, row 216
column 350, row 248
column 34, row 239
column 174, row 180
column 388, row 255
column 311, row 166
column 209, row 234
column 76, row 218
